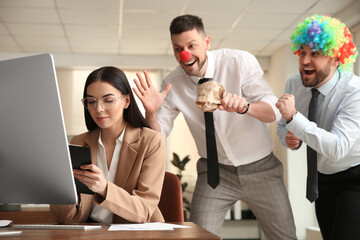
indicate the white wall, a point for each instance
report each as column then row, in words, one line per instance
column 71, row 86
column 276, row 78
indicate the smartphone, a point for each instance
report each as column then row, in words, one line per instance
column 80, row 156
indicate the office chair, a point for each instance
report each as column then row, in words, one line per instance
column 171, row 199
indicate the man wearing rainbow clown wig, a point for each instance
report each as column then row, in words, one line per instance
column 321, row 107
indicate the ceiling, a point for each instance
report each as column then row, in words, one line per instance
column 138, row 29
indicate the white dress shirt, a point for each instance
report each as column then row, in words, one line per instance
column 98, row 213
column 336, row 136
column 240, row 138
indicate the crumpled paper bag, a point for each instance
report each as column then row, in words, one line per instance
column 209, row 96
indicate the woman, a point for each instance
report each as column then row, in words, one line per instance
column 128, row 158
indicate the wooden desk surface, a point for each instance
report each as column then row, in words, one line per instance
column 33, row 215
column 195, row 232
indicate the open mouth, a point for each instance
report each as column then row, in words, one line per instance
column 189, row 64
column 309, row 71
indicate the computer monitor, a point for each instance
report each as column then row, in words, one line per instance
column 35, row 164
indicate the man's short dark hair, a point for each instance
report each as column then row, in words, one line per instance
column 186, row 23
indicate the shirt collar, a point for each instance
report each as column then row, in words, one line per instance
column 210, row 66
column 328, row 86
column 118, row 140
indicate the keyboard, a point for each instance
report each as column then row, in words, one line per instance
column 55, row 226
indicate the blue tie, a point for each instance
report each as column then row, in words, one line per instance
column 312, row 178
column 212, row 157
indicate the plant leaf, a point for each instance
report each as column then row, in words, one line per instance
column 176, row 160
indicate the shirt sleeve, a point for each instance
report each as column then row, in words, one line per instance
column 167, row 114
column 336, row 143
column 282, row 131
column 256, row 88
column 281, row 127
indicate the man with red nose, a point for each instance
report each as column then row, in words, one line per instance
column 321, row 107
column 247, row 168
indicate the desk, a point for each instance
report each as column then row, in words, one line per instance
column 195, row 232
column 32, row 215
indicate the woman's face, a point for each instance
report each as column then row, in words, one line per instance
column 106, row 104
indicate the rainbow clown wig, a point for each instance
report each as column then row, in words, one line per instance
column 327, row 34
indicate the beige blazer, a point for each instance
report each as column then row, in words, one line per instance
column 135, row 194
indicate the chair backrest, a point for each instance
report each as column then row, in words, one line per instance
column 171, row 200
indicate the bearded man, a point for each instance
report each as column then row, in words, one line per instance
column 321, row 107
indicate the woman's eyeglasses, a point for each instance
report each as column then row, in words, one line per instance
column 108, row 102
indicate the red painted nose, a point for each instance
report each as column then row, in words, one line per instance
column 185, row 56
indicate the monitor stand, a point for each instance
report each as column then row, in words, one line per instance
column 10, row 207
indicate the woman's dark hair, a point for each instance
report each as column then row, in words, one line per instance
column 186, row 23
column 118, row 80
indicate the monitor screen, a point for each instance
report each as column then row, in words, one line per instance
column 35, row 165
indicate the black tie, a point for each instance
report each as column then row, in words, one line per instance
column 212, row 157
column 312, row 178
